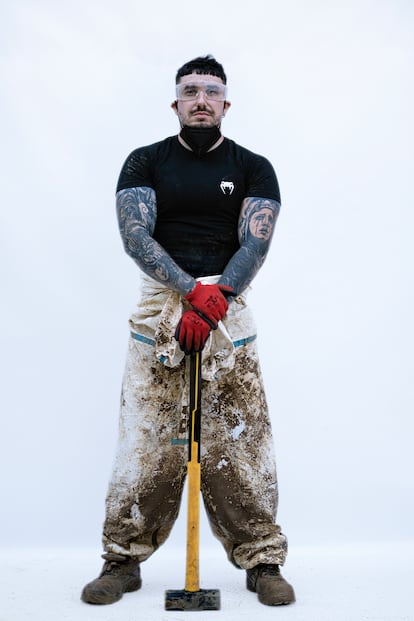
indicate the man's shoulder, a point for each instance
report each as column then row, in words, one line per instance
column 138, row 168
column 154, row 147
column 247, row 155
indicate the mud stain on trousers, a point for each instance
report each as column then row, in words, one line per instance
column 239, row 484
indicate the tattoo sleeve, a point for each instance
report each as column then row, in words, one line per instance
column 256, row 226
column 137, row 215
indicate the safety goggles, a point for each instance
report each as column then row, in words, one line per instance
column 190, row 91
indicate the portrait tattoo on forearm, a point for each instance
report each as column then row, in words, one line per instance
column 256, row 226
column 137, row 215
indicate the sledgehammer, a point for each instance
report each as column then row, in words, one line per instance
column 192, row 597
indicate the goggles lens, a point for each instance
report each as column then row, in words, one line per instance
column 191, row 91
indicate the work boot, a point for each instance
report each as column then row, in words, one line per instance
column 119, row 575
column 270, row 586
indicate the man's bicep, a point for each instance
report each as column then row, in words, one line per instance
column 136, row 207
column 258, row 218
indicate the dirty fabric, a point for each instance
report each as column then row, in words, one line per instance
column 159, row 312
column 238, row 485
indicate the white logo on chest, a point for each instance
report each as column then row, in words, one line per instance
column 227, row 187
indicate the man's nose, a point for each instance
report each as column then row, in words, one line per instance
column 201, row 93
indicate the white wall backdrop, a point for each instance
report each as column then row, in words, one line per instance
column 325, row 90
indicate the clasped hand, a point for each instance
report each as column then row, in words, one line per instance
column 209, row 307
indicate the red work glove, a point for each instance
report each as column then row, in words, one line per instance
column 192, row 332
column 209, row 301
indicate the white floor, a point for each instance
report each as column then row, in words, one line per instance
column 345, row 583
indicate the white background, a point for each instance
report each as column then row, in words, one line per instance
column 325, row 91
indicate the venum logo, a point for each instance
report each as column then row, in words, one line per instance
column 227, row 187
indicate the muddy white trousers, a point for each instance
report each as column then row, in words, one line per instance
column 238, row 475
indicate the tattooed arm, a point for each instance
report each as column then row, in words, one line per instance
column 256, row 226
column 137, row 215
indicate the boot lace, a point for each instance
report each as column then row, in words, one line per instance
column 269, row 570
column 109, row 568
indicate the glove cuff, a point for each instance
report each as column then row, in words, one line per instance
column 193, row 290
column 213, row 325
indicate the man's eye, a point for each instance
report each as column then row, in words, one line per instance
column 190, row 91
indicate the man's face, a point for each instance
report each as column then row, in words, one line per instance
column 201, row 111
column 261, row 223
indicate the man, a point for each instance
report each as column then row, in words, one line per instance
column 196, row 213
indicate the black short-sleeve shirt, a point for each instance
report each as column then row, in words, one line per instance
column 199, row 199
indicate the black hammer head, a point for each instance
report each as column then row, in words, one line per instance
column 205, row 599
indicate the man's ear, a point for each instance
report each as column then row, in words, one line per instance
column 174, row 106
column 227, row 105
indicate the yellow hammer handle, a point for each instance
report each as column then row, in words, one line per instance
column 193, row 511
column 193, row 528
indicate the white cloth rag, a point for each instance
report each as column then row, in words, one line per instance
column 159, row 311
